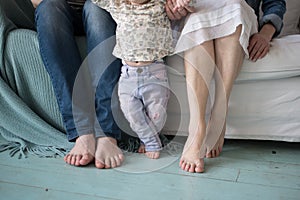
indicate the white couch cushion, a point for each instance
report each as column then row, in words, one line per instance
column 282, row 61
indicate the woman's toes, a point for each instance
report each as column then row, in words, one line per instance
column 199, row 166
column 208, row 155
column 199, row 169
column 192, row 168
column 187, row 167
column 183, row 165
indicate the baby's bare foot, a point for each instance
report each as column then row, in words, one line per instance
column 152, row 154
column 142, row 149
column 83, row 151
column 108, row 154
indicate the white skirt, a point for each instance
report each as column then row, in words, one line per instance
column 215, row 19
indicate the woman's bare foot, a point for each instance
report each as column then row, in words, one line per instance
column 217, row 149
column 191, row 160
column 108, row 154
column 83, row 152
column 153, row 154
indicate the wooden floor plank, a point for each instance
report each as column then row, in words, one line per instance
column 245, row 170
column 118, row 185
column 270, row 179
column 13, row 191
column 263, row 151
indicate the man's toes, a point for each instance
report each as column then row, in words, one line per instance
column 121, row 157
column 113, row 163
column 67, row 158
column 85, row 159
column 72, row 160
column 77, row 160
column 107, row 163
column 99, row 164
column 117, row 160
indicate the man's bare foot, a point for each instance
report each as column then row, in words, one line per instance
column 217, row 149
column 153, row 154
column 83, row 152
column 108, row 154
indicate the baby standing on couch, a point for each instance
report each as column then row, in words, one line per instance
column 143, row 39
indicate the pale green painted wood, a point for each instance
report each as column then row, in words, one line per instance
column 270, row 179
column 253, row 165
column 244, row 171
column 22, row 192
column 112, row 184
column 263, row 151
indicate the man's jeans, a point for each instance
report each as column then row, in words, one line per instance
column 57, row 24
column 144, row 93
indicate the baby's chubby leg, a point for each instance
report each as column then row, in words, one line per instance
column 143, row 103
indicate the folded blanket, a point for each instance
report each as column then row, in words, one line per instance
column 20, row 122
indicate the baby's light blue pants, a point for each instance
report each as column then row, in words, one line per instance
column 143, row 94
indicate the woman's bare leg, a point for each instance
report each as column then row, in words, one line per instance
column 229, row 58
column 199, row 69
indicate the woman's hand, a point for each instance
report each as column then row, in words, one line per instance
column 259, row 44
column 35, row 3
column 176, row 14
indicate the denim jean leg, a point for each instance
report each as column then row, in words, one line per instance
column 99, row 26
column 56, row 25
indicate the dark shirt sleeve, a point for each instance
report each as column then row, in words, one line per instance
column 273, row 11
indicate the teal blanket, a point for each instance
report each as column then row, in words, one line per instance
column 28, row 121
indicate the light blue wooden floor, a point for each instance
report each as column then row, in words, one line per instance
column 253, row 170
